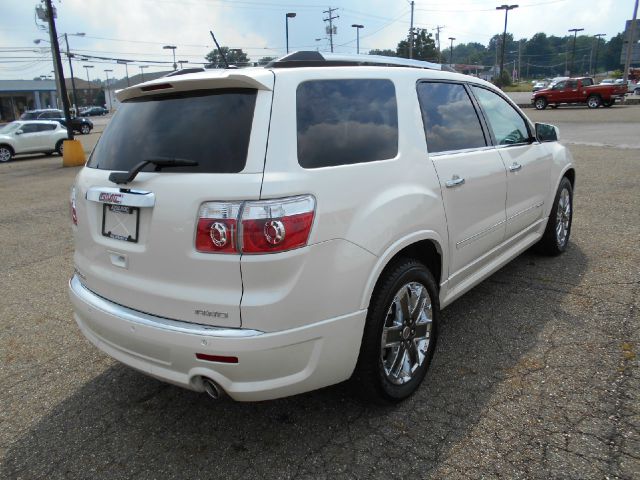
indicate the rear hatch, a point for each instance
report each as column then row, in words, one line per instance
column 135, row 241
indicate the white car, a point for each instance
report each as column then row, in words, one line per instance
column 269, row 231
column 31, row 137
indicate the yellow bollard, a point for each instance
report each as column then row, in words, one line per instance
column 72, row 154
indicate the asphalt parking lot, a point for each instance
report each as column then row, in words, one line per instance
column 535, row 374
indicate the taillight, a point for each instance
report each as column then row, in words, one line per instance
column 217, row 230
column 266, row 226
column 72, row 206
column 277, row 225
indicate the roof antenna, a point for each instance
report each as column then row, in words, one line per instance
column 224, row 59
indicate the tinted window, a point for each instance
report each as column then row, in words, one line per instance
column 507, row 125
column 559, row 86
column 346, row 121
column 43, row 127
column 29, row 116
column 571, row 84
column 29, row 128
column 450, row 120
column 586, row 82
column 211, row 127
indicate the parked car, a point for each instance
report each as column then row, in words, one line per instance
column 576, row 91
column 316, row 232
column 79, row 124
column 607, row 81
column 539, row 86
column 94, row 111
column 31, row 137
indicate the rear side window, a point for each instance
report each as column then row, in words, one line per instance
column 43, row 127
column 450, row 120
column 342, row 122
column 211, row 127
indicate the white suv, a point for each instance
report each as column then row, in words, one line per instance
column 265, row 232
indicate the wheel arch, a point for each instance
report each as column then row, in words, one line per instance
column 9, row 146
column 425, row 246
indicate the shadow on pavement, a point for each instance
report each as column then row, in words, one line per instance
column 123, row 424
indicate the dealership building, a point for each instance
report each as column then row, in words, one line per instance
column 17, row 96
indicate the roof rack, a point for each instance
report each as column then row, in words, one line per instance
column 317, row 59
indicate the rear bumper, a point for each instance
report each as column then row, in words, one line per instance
column 270, row 365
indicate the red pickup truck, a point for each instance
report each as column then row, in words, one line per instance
column 578, row 90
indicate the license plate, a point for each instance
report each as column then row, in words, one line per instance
column 120, row 222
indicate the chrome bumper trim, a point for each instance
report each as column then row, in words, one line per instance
column 140, row 318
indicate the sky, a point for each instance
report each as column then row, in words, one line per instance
column 138, row 29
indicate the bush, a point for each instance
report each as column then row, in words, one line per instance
column 503, row 80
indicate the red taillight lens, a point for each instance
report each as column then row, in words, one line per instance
column 217, row 230
column 267, row 226
column 216, row 358
column 72, row 206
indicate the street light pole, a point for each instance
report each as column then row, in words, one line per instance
column 182, row 62
column 286, row 28
column 57, row 61
column 573, row 53
column 173, row 49
column 87, row 67
column 142, row 67
column 595, row 66
column 506, row 9
column 451, row 51
column 106, row 72
column 357, row 27
column 73, row 80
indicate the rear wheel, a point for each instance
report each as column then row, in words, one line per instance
column 85, row 129
column 540, row 103
column 556, row 236
column 608, row 103
column 6, row 153
column 400, row 333
column 60, row 147
column 594, row 101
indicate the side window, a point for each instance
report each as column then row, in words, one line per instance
column 44, row 127
column 560, row 86
column 587, row 82
column 450, row 120
column 507, row 125
column 29, row 128
column 572, row 84
column 341, row 122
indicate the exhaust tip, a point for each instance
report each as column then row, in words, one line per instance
column 211, row 388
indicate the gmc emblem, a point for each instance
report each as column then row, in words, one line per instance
column 110, row 197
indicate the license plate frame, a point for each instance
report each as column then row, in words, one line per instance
column 123, row 225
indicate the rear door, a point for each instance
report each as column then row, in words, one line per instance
column 471, row 172
column 135, row 243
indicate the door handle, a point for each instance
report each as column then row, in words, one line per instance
column 454, row 182
column 514, row 167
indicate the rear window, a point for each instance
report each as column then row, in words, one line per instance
column 342, row 122
column 211, row 127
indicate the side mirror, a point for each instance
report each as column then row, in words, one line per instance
column 547, row 133
column 18, row 132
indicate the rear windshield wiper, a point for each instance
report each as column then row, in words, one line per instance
column 159, row 162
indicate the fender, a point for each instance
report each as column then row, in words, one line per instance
column 393, row 249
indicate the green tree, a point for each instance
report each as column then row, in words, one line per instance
column 613, row 51
column 385, row 53
column 235, row 56
column 424, row 47
column 265, row 60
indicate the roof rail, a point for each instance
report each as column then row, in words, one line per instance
column 317, row 59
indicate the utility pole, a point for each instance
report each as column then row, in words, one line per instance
column 519, row 57
column 106, row 72
column 630, row 43
column 506, row 9
column 438, row 28
column 595, row 65
column 57, row 61
column 330, row 19
column 411, row 33
column 573, row 54
column 73, row 80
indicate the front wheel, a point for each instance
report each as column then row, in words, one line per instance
column 400, row 333
column 5, row 153
column 540, row 103
column 555, row 239
column 85, row 129
column 594, row 101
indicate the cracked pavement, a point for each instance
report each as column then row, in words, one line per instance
column 535, row 374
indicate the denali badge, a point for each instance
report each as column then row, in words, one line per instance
column 110, row 197
column 209, row 313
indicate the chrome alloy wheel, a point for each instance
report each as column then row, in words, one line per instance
column 5, row 154
column 406, row 333
column 563, row 217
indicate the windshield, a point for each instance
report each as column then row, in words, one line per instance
column 9, row 127
column 210, row 127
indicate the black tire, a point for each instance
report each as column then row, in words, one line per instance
column 370, row 378
column 551, row 243
column 540, row 103
column 85, row 129
column 60, row 147
column 594, row 101
column 6, row 153
column 608, row 103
